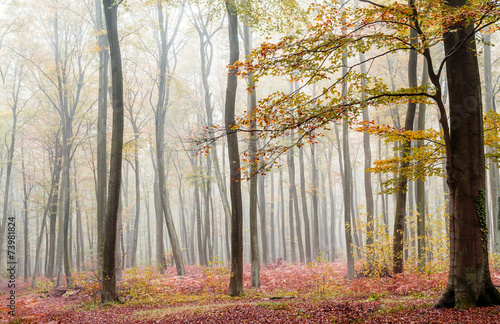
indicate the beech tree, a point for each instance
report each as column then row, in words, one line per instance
column 109, row 292
column 319, row 56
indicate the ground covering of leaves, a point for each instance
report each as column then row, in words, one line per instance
column 316, row 293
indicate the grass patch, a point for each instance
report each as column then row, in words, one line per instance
column 158, row 313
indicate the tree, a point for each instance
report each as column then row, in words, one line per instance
column 469, row 281
column 160, row 115
column 108, row 292
column 236, row 281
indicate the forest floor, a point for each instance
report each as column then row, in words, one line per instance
column 316, row 293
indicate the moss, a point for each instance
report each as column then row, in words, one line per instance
column 481, row 213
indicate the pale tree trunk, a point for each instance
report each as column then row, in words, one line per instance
column 315, row 191
column 469, row 279
column 305, row 214
column 101, row 188
column 55, row 177
column 420, row 190
column 26, row 196
column 263, row 223
column 236, row 281
column 206, row 58
column 109, row 292
column 282, row 212
column 273, row 223
column 160, row 114
column 79, row 228
column 333, row 247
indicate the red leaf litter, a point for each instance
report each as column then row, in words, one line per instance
column 290, row 293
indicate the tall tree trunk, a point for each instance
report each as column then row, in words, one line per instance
column 236, row 281
column 420, row 190
column 133, row 260
column 370, row 213
column 400, row 215
column 254, row 180
column 469, row 279
column 26, row 196
column 160, row 141
column 101, row 189
column 272, row 224
column 282, row 211
column 109, row 293
column 160, row 252
column 315, row 191
column 10, row 157
column 305, row 214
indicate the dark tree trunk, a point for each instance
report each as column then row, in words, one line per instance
column 370, row 219
column 109, row 293
column 400, row 215
column 469, row 280
column 236, row 281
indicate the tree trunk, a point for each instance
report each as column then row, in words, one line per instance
column 420, row 190
column 305, row 214
column 133, row 260
column 108, row 292
column 101, row 189
column 160, row 141
column 400, row 215
column 282, row 212
column 370, row 219
column 469, row 280
column 236, row 281
column 254, row 180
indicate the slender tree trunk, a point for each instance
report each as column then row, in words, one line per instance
column 133, row 260
column 160, row 142
column 420, row 190
column 282, row 211
column 400, row 215
column 109, row 293
column 160, row 259
column 101, row 189
column 252, row 148
column 236, row 281
column 305, row 214
column 10, row 157
column 370, row 219
column 272, row 233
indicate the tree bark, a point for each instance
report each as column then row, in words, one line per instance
column 400, row 214
column 370, row 213
column 469, row 279
column 236, row 281
column 101, row 189
column 109, row 292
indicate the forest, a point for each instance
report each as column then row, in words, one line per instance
column 278, row 161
